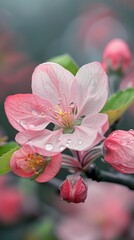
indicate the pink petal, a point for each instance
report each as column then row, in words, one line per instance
column 53, row 82
column 45, row 142
column 90, row 88
column 88, row 134
column 20, row 155
column 51, row 170
column 27, row 111
column 85, row 136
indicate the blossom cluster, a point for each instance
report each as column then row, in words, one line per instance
column 64, row 112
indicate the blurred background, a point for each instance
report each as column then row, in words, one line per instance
column 31, row 32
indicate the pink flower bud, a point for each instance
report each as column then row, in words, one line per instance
column 73, row 189
column 119, row 150
column 116, row 56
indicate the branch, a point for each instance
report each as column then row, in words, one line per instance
column 103, row 176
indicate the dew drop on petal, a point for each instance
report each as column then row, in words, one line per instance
column 31, row 125
column 34, row 112
column 69, row 141
column 48, row 146
column 62, row 148
column 80, row 142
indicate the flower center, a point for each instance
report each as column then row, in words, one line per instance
column 36, row 163
column 66, row 119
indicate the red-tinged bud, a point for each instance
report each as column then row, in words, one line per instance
column 116, row 56
column 118, row 150
column 73, row 189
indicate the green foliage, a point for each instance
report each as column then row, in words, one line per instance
column 118, row 103
column 6, row 152
column 41, row 231
column 67, row 62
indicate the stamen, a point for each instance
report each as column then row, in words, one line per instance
column 35, row 162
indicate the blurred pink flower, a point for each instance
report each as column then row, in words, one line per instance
column 97, row 25
column 71, row 103
column 73, row 189
column 116, row 56
column 26, row 163
column 104, row 215
column 15, row 65
column 10, row 205
column 119, row 150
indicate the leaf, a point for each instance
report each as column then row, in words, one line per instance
column 67, row 62
column 118, row 103
column 6, row 153
column 7, row 147
column 41, row 230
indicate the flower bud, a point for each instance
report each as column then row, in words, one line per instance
column 73, row 189
column 118, row 150
column 116, row 56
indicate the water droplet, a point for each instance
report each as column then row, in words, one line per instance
column 114, row 133
column 67, row 144
column 34, row 112
column 115, row 162
column 62, row 148
column 69, row 141
column 131, row 129
column 31, row 125
column 23, row 124
column 48, row 146
column 80, row 142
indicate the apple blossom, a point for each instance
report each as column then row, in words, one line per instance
column 73, row 189
column 25, row 162
column 116, row 56
column 71, row 103
column 119, row 150
column 11, row 201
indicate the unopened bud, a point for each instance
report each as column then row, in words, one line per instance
column 118, row 150
column 73, row 189
column 117, row 56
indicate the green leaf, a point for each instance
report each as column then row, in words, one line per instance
column 42, row 230
column 118, row 103
column 6, row 152
column 67, row 62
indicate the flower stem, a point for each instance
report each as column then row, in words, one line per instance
column 103, row 176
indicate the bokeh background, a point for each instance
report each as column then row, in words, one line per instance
column 31, row 32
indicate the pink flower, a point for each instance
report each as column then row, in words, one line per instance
column 71, row 103
column 73, row 189
column 10, row 205
column 117, row 56
column 119, row 150
column 27, row 163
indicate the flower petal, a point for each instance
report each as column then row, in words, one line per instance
column 45, row 142
column 51, row 170
column 90, row 88
column 53, row 82
column 88, row 134
column 20, row 155
column 27, row 111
